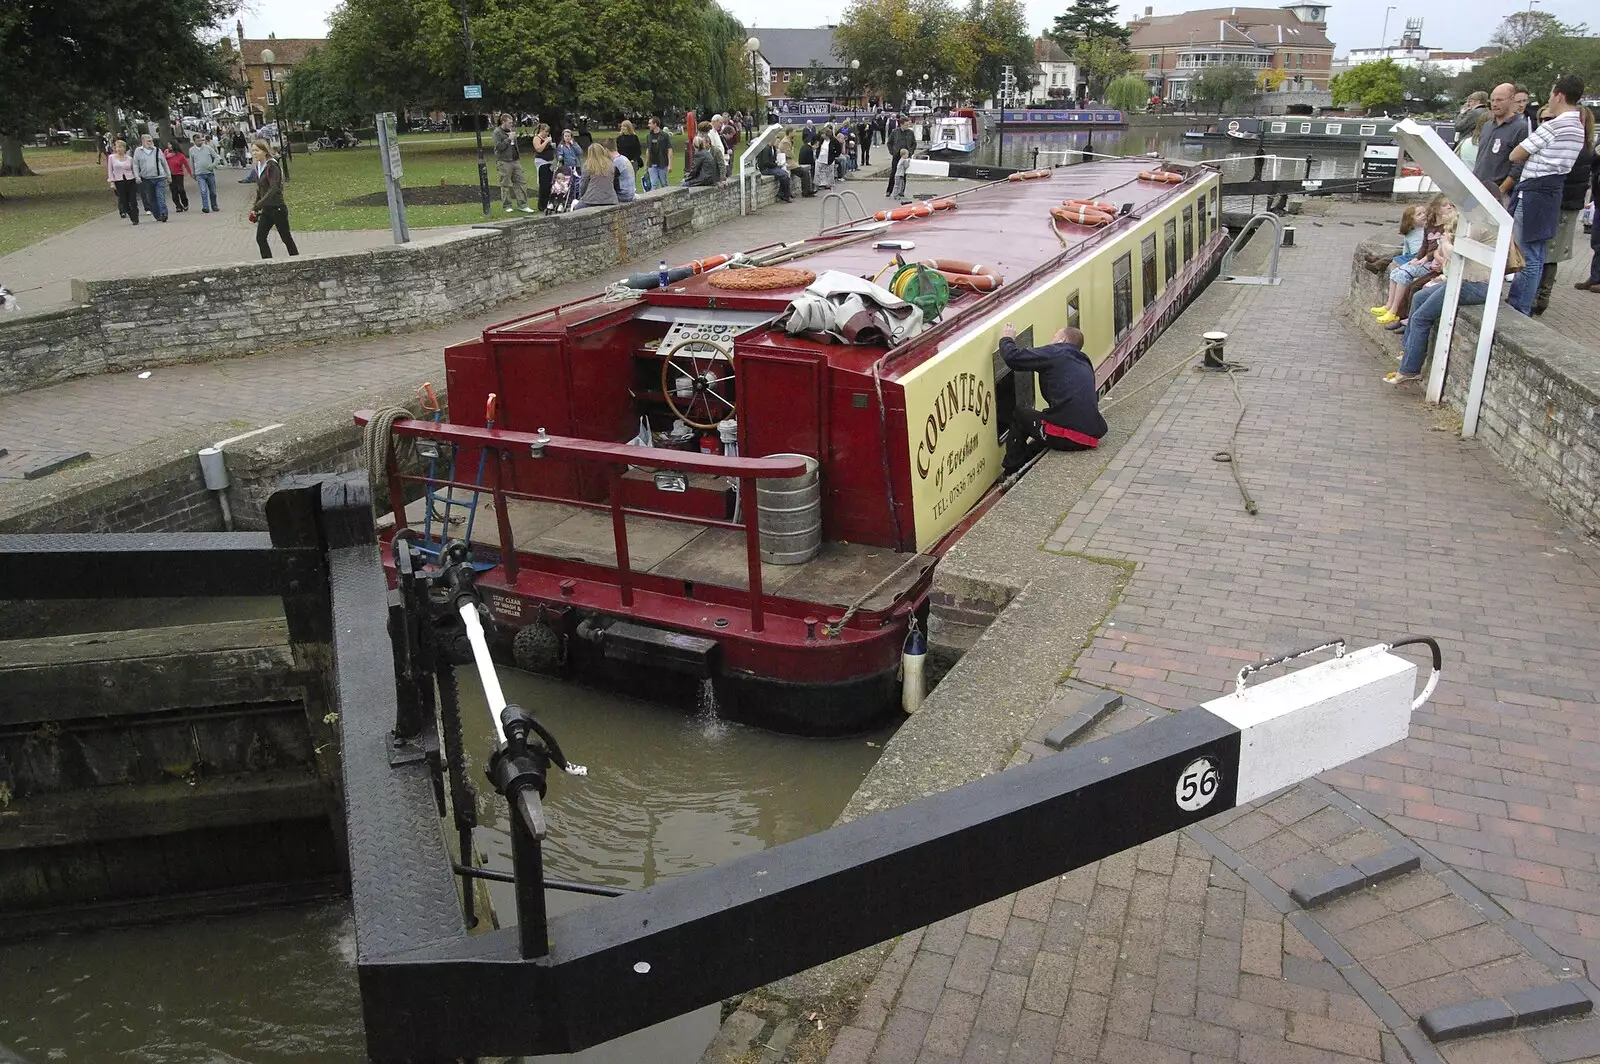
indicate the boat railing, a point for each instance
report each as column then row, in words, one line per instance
column 615, row 458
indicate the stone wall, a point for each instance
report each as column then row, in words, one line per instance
column 197, row 315
column 1541, row 400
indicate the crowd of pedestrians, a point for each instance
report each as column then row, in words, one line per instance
column 1541, row 164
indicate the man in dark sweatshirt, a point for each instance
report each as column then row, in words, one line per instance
column 1071, row 419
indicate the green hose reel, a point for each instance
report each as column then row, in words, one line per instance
column 921, row 287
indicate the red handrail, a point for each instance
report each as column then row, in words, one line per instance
column 506, row 442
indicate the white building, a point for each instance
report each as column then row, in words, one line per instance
column 1411, row 52
column 1057, row 78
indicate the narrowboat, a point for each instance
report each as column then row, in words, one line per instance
column 671, row 492
column 1046, row 118
column 1299, row 129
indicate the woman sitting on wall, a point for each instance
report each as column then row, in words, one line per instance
column 704, row 172
column 598, row 189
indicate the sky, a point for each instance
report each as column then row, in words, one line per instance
column 1453, row 25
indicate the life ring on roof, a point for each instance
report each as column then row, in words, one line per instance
column 966, row 275
column 702, row 265
column 1028, row 175
column 1093, row 205
column 1166, row 177
column 1081, row 215
column 914, row 210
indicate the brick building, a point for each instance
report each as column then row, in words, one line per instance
column 260, row 95
column 1173, row 50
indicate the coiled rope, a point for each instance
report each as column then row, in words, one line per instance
column 378, row 445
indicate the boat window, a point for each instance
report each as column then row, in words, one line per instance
column 1122, row 294
column 1171, row 261
column 1279, row 127
column 1305, row 127
column 1147, row 259
column 1072, row 310
column 1188, row 234
column 1369, row 128
column 1216, row 211
column 1200, row 221
column 1334, row 128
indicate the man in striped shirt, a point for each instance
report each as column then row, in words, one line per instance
column 1548, row 154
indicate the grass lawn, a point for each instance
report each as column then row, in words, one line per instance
column 321, row 182
column 69, row 190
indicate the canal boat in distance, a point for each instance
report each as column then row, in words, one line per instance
column 954, row 136
column 680, row 498
column 1047, row 118
column 1298, row 129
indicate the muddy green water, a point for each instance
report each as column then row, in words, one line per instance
column 667, row 794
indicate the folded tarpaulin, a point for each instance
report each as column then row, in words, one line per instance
column 852, row 310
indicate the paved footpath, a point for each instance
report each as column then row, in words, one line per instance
column 1375, row 521
column 41, row 274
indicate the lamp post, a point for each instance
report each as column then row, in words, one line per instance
column 751, row 47
column 1384, row 42
column 477, row 124
column 274, row 101
column 855, row 65
column 899, row 89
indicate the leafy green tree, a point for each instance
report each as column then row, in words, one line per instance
column 1102, row 60
column 72, row 56
column 916, row 36
column 316, row 94
column 798, row 87
column 1376, row 86
column 1217, row 85
column 1536, row 65
column 1521, row 28
column 1088, row 18
column 997, row 33
column 1128, row 93
column 1426, row 84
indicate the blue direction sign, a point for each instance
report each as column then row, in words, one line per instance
column 472, row 92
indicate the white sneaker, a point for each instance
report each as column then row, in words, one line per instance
column 529, row 210
column 508, row 210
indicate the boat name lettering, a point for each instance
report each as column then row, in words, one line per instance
column 963, row 393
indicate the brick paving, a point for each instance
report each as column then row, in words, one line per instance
column 1376, row 521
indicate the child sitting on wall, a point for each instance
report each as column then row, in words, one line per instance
column 1424, row 260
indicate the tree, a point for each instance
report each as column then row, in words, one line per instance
column 916, row 36
column 1521, row 28
column 74, row 56
column 1269, row 79
column 316, row 94
column 1088, row 18
column 798, row 88
column 1128, row 93
column 1101, row 60
column 1375, row 86
column 1218, row 84
column 1536, row 65
column 997, row 32
column 1426, row 84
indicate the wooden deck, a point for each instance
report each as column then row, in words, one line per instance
column 692, row 553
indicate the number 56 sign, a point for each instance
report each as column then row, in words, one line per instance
column 1197, row 785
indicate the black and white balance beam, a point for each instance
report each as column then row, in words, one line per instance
column 629, row 962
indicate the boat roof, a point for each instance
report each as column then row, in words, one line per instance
column 1004, row 225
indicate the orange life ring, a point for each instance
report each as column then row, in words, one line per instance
column 1166, row 177
column 1028, row 175
column 943, row 204
column 914, row 210
column 1093, row 205
column 965, row 274
column 921, row 210
column 896, row 214
column 1081, row 215
column 1411, row 171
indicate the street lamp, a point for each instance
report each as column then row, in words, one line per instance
column 268, row 57
column 477, row 119
column 751, row 47
column 1384, row 42
column 855, row 65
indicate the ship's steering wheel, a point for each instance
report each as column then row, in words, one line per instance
column 696, row 380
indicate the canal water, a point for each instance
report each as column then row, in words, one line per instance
column 666, row 794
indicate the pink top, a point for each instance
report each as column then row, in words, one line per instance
column 119, row 169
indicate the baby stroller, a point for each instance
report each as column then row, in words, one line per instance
column 563, row 191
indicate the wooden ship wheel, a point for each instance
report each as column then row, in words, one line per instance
column 697, row 381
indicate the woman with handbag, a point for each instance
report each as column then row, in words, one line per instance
column 270, row 210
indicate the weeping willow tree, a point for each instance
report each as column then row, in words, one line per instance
column 722, row 82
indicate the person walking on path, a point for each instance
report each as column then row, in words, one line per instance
column 151, row 166
column 508, row 164
column 178, row 163
column 628, row 147
column 571, row 155
column 270, row 210
column 203, row 163
column 1071, row 420
column 1548, row 154
column 599, row 179
column 865, row 137
column 124, row 181
column 544, row 163
column 658, row 151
